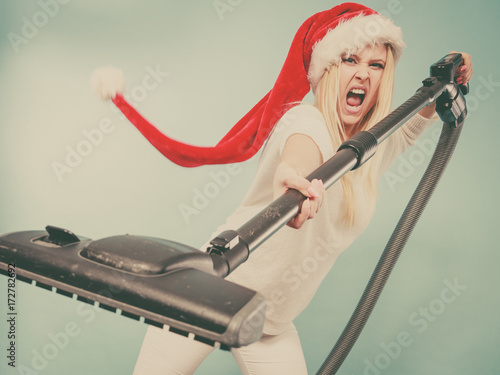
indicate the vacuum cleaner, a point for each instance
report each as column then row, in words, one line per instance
column 182, row 289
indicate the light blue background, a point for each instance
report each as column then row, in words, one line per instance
column 219, row 66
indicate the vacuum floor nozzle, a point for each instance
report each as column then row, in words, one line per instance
column 159, row 282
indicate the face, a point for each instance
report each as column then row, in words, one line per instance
column 360, row 76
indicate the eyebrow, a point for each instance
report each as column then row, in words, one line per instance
column 372, row 61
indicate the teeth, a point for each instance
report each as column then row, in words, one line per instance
column 358, row 91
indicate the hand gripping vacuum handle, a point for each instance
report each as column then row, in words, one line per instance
column 231, row 248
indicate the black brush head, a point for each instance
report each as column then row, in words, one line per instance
column 160, row 282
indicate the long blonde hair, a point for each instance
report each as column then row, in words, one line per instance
column 327, row 101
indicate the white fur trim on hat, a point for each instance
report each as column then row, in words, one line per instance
column 350, row 36
column 107, row 82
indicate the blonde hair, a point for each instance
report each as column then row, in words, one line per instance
column 327, row 101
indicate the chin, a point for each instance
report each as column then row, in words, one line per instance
column 350, row 122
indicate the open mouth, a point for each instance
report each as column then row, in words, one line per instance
column 355, row 98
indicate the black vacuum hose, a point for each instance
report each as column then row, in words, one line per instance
column 444, row 150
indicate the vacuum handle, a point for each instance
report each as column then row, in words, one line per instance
column 351, row 154
column 445, row 68
column 231, row 248
column 286, row 207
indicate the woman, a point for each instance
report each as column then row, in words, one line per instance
column 346, row 55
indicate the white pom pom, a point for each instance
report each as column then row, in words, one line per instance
column 107, row 82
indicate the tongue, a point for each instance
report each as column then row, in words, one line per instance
column 353, row 100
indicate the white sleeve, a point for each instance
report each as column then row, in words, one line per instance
column 405, row 137
column 414, row 128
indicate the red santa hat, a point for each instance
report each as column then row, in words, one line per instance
column 321, row 41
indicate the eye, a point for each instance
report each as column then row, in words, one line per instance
column 377, row 65
column 349, row 60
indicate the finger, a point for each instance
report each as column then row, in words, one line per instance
column 465, row 71
column 313, row 192
column 323, row 191
column 466, row 58
column 302, row 216
column 465, row 77
column 320, row 189
column 310, row 206
column 301, row 184
column 314, row 207
column 299, row 219
column 314, row 201
column 460, row 73
column 469, row 74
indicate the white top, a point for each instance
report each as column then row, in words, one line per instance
column 289, row 267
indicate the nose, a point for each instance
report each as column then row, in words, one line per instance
column 362, row 72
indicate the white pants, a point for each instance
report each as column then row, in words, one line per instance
column 167, row 353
